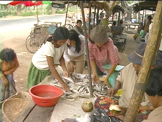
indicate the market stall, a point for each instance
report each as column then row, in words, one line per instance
column 56, row 113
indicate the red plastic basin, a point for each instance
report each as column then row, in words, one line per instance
column 45, row 95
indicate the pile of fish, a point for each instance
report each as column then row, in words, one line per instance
column 79, row 86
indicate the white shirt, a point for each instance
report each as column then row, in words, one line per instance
column 155, row 115
column 39, row 59
column 128, row 79
column 71, row 51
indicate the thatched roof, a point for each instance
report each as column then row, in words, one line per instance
column 147, row 5
column 94, row 4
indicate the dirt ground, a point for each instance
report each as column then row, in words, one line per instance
column 16, row 41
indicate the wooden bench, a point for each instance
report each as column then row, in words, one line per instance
column 34, row 113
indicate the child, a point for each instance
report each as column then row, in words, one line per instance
column 48, row 57
column 9, row 64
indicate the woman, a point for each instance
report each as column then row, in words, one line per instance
column 9, row 64
column 74, row 55
column 48, row 57
column 102, row 51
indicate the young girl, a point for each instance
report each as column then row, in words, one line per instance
column 9, row 64
column 74, row 55
column 48, row 57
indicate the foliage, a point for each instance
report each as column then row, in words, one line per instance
column 130, row 2
column 8, row 10
column 60, row 11
column 5, row 13
column 28, row 13
column 48, row 9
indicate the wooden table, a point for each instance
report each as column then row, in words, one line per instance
column 35, row 113
column 134, row 24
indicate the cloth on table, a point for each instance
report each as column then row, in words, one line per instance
column 105, row 102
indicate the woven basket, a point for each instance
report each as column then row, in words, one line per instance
column 12, row 107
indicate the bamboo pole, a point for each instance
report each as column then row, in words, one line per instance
column 143, row 18
column 89, row 23
column 153, row 43
column 97, row 15
column 118, row 17
column 94, row 16
column 87, row 52
column 37, row 14
column 66, row 13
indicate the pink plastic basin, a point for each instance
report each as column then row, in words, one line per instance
column 45, row 95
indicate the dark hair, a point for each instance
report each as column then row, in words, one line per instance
column 74, row 36
column 61, row 33
column 90, row 40
column 149, row 17
column 79, row 21
column 154, row 86
column 8, row 54
column 114, row 22
column 121, row 21
column 142, row 27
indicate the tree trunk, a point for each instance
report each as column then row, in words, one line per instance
column 18, row 10
column 42, row 9
column 53, row 10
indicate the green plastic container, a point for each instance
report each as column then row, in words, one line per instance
column 114, row 75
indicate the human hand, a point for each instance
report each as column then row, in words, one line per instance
column 70, row 67
column 112, row 91
column 66, row 74
column 96, row 78
column 121, row 117
column 4, row 80
column 123, row 111
column 65, row 87
column 106, row 82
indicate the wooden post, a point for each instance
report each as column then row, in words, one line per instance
column 149, row 55
column 87, row 52
column 89, row 23
column 143, row 19
column 37, row 14
column 118, row 17
column 94, row 16
column 97, row 15
column 66, row 13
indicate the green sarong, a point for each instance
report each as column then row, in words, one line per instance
column 35, row 76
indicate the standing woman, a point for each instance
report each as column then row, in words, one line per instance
column 9, row 64
column 102, row 51
column 49, row 56
column 74, row 55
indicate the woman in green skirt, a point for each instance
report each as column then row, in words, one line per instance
column 48, row 57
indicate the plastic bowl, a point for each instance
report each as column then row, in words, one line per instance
column 45, row 95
